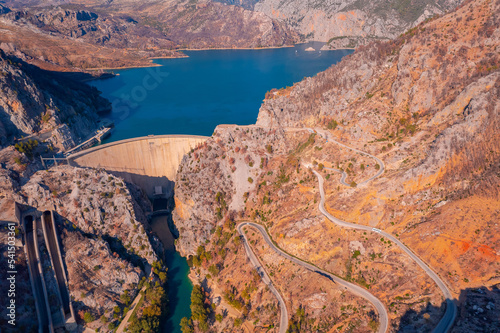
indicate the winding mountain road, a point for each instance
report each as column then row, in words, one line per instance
column 262, row 272
column 355, row 289
column 446, row 322
column 325, row 135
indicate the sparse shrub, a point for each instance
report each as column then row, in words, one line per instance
column 88, row 317
column 238, row 322
column 332, row 124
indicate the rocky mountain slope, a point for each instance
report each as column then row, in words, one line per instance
column 426, row 104
column 34, row 101
column 122, row 33
column 64, row 37
column 107, row 244
column 352, row 22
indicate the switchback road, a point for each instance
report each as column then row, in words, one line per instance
column 382, row 312
column 446, row 322
column 262, row 272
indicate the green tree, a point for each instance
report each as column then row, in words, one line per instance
column 198, row 310
column 163, row 277
column 214, row 270
column 88, row 317
column 238, row 322
column 332, row 124
column 125, row 298
column 187, row 325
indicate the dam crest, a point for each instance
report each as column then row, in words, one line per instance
column 150, row 162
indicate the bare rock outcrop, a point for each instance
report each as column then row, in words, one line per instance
column 33, row 101
column 94, row 202
column 350, row 23
column 97, row 277
column 215, row 179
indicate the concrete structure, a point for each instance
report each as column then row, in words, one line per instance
column 39, row 293
column 54, row 249
column 101, row 133
column 146, row 161
column 36, row 222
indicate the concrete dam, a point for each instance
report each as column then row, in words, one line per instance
column 149, row 162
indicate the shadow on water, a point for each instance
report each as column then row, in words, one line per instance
column 179, row 285
column 478, row 310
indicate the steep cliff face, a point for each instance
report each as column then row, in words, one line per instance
column 95, row 203
column 97, row 276
column 213, row 25
column 352, row 22
column 235, row 165
column 106, row 239
column 36, row 101
column 207, row 24
column 427, row 105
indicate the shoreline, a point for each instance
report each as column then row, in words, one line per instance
column 152, row 64
column 239, row 48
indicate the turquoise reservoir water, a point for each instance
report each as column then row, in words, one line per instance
column 192, row 96
column 179, row 291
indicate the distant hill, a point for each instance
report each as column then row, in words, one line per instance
column 125, row 33
column 348, row 23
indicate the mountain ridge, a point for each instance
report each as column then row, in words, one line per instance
column 427, row 105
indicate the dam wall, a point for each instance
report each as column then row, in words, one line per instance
column 148, row 162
